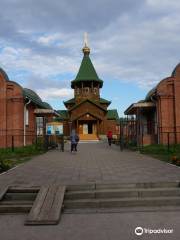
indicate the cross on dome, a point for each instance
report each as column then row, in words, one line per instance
column 86, row 49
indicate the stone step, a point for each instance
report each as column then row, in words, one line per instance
column 15, row 208
column 24, row 202
column 20, row 196
column 19, row 189
column 122, row 193
column 122, row 209
column 87, row 137
column 96, row 186
column 121, row 202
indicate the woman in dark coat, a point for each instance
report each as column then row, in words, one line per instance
column 74, row 140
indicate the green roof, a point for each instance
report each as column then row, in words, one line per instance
column 47, row 105
column 150, row 93
column 102, row 100
column 89, row 100
column 30, row 94
column 72, row 100
column 63, row 114
column 175, row 70
column 4, row 74
column 86, row 72
column 112, row 114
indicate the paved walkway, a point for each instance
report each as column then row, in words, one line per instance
column 95, row 162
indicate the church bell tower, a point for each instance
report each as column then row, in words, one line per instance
column 87, row 83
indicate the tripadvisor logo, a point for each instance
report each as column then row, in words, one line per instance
column 140, row 231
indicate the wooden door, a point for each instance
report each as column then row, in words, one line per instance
column 80, row 128
column 85, row 128
column 94, row 128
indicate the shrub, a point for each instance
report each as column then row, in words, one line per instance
column 4, row 165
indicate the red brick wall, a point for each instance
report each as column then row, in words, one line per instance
column 168, row 107
column 12, row 115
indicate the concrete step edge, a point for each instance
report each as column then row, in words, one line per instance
column 5, row 209
column 123, row 199
column 13, row 203
column 123, row 185
column 121, row 190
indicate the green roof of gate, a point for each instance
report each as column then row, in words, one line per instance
column 63, row 114
column 86, row 72
column 112, row 114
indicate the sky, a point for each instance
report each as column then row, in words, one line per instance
column 134, row 45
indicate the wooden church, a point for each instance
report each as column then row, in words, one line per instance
column 87, row 112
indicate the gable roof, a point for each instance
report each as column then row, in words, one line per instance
column 101, row 100
column 87, row 100
column 86, row 72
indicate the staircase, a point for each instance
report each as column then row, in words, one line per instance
column 88, row 137
column 45, row 204
column 18, row 200
column 121, row 196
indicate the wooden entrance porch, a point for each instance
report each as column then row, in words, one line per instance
column 88, row 129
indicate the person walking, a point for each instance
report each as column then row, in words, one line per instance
column 74, row 140
column 109, row 137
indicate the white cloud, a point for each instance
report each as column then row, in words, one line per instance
column 137, row 44
column 165, row 4
column 42, row 65
column 54, row 93
column 49, row 39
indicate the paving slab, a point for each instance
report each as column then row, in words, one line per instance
column 94, row 162
column 115, row 226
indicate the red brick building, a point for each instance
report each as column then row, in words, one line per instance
column 87, row 112
column 22, row 113
column 158, row 115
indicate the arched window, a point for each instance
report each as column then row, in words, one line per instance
column 77, row 91
column 95, row 91
column 86, row 90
